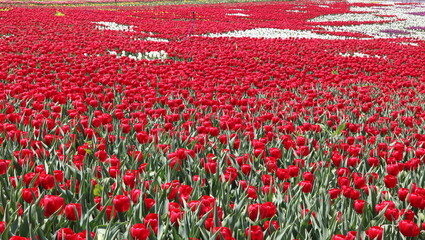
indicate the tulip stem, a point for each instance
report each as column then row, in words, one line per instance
column 121, row 216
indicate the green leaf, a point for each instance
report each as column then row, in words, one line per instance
column 339, row 129
column 97, row 191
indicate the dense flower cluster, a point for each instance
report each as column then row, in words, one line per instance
column 207, row 137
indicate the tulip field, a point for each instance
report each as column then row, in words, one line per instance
column 163, row 120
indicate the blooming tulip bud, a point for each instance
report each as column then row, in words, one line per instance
column 29, row 194
column 111, row 213
column 151, row 220
column 139, row 232
column 2, row 226
column 73, row 211
column 375, row 233
column 402, row 193
column 253, row 211
column 225, row 233
column 408, row 228
column 359, row 206
column 19, row 238
column 390, row 181
column 52, row 204
column 334, row 192
column 121, row 203
column 306, row 186
column 254, row 233
column 65, row 233
column 338, row 237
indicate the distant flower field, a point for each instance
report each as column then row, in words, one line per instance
column 264, row 120
column 71, row 2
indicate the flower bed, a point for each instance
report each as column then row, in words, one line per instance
column 227, row 128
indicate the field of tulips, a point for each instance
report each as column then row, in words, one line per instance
column 267, row 120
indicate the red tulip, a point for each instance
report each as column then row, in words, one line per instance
column 225, row 233
column 408, row 228
column 175, row 215
column 151, row 220
column 402, row 193
column 252, row 192
column 301, row 141
column 275, row 152
column 73, row 211
column 343, row 172
column 407, row 214
column 135, row 195
column 338, row 237
column 253, row 211
column 380, row 206
column 149, row 203
column 375, row 233
column 83, row 235
column 246, row 169
column 267, row 210
column 19, row 238
column 293, row 170
column 110, row 211
column 343, row 182
column 359, row 206
column 373, row 162
column 3, row 166
column 351, row 235
column 259, row 152
column 392, row 214
column 47, row 181
column 390, row 181
column 306, row 186
column 334, row 193
column 66, row 234
column 31, row 178
column 121, row 203
column 125, row 128
column 254, row 233
column 393, row 169
column 114, row 171
column 52, row 204
column 97, row 200
column 308, row 176
column 416, row 200
column 139, row 232
column 142, row 137
column 209, row 223
column 271, row 225
column 129, row 179
column 282, row 174
column 351, row 193
column 359, row 182
column 29, row 194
